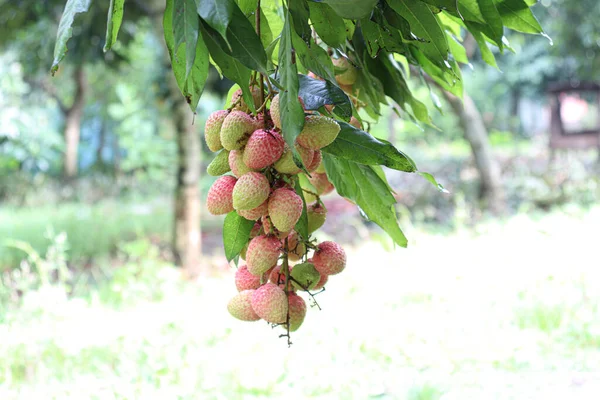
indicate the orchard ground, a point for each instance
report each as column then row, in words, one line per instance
column 504, row 310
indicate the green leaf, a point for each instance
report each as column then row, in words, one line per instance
column 65, row 29
column 450, row 80
column 329, row 26
column 300, row 13
column 231, row 68
column 113, row 23
column 314, row 58
column 494, row 21
column 360, row 147
column 248, row 7
column 363, row 185
column 218, row 14
column 236, row 232
column 302, row 224
column 245, row 44
column 192, row 84
column 486, row 53
column 458, row 51
column 185, row 30
column 316, row 93
column 517, row 15
column 431, row 179
column 352, row 9
column 292, row 114
column 426, row 26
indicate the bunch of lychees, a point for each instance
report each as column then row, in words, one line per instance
column 261, row 188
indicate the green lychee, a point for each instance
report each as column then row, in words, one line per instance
column 278, row 278
column 255, row 213
column 274, row 110
column 220, row 164
column 347, row 72
column 263, row 253
column 220, row 195
column 236, row 163
column 212, row 129
column 318, row 132
column 317, row 214
column 316, row 161
column 238, row 98
column 250, row 191
column 270, row 229
column 297, row 310
column 296, row 248
column 286, row 164
column 306, row 275
column 285, row 209
column 321, row 183
column 329, row 258
column 240, row 306
column 236, row 129
column 269, row 302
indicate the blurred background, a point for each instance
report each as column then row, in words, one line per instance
column 103, row 297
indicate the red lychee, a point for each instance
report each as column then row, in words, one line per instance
column 329, row 258
column 220, row 195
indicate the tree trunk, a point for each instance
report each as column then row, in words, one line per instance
column 73, row 116
column 491, row 192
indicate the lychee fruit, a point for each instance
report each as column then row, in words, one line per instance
column 316, row 161
column 322, row 281
column 270, row 229
column 263, row 253
column 318, row 132
column 296, row 248
column 236, row 129
column 212, row 129
column 286, row 164
column 321, row 168
column 285, row 209
column 263, row 149
column 255, row 213
column 236, row 163
column 297, row 309
column 274, row 110
column 244, row 280
column 240, row 306
column 278, row 278
column 220, row 164
column 347, row 72
column 250, row 191
column 321, row 183
column 316, row 216
column 305, row 276
column 270, row 303
column 329, row 258
column 239, row 98
column 220, row 195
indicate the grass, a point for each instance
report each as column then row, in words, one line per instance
column 507, row 311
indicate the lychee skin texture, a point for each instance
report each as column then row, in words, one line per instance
column 263, row 252
column 317, row 214
column 220, row 195
column 240, row 306
column 321, row 283
column 285, row 209
column 274, row 110
column 212, row 129
column 297, row 308
column 244, row 280
column 236, row 163
column 321, row 184
column 255, row 213
column 250, row 191
column 321, row 168
column 278, row 278
column 236, row 129
column 242, row 106
column 329, row 258
column 219, row 165
column 296, row 249
column 263, row 149
column 306, row 275
column 286, row 164
column 349, row 75
column 318, row 132
column 316, row 161
column 269, row 229
column 270, row 303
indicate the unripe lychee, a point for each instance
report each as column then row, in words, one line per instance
column 286, row 164
column 320, row 169
column 329, row 258
column 240, row 306
column 244, row 280
column 212, row 129
column 347, row 72
column 285, row 209
column 278, row 278
column 236, row 163
column 263, row 253
column 321, row 183
column 316, row 161
column 270, row 303
column 270, row 229
column 274, row 110
column 263, row 149
column 296, row 248
column 238, row 98
column 297, row 309
column 355, row 123
column 236, row 129
column 316, row 217
column 318, row 132
column 220, row 164
column 255, row 213
column 220, row 195
column 250, row 191
column 306, row 276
